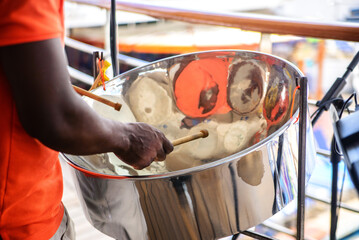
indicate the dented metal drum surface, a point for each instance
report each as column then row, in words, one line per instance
column 242, row 174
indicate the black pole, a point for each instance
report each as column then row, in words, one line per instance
column 303, row 111
column 95, row 56
column 113, row 39
column 335, row 159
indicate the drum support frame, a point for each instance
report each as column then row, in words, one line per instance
column 303, row 113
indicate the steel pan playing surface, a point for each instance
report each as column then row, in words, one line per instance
column 242, row 174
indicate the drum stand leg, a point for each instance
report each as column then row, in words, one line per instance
column 303, row 111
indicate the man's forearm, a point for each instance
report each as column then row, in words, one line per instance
column 48, row 107
column 51, row 111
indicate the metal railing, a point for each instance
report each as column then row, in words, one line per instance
column 245, row 21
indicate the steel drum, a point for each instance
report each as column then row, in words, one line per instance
column 242, row 174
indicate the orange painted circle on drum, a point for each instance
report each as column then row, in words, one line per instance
column 201, row 88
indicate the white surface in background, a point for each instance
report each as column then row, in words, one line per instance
column 80, row 15
column 215, row 5
column 331, row 10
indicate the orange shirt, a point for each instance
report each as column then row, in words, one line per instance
column 30, row 173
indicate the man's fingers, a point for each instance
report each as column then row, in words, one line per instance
column 167, row 146
column 161, row 155
column 142, row 164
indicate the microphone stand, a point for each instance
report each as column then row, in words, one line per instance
column 333, row 93
column 335, row 89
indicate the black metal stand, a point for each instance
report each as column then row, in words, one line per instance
column 324, row 104
column 335, row 89
column 113, row 38
column 334, row 159
column 303, row 111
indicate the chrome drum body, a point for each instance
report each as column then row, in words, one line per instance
column 217, row 191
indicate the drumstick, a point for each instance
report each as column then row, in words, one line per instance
column 115, row 105
column 202, row 134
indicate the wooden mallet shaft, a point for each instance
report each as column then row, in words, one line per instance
column 115, row 105
column 201, row 134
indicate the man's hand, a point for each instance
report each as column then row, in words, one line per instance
column 145, row 144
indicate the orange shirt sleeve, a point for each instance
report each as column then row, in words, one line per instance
column 30, row 173
column 24, row 21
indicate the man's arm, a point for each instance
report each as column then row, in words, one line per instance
column 51, row 111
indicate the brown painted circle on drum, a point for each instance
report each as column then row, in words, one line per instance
column 276, row 100
column 245, row 86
